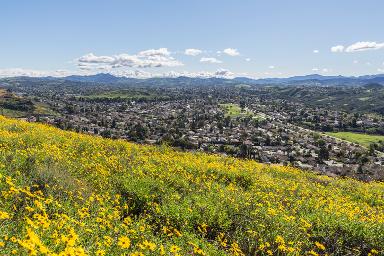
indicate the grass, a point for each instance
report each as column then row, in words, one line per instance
column 44, row 109
column 234, row 110
column 63, row 193
column 17, row 107
column 358, row 138
column 12, row 113
column 40, row 109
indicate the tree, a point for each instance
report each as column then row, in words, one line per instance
column 323, row 153
column 139, row 132
column 113, row 126
column 372, row 149
column 106, row 134
column 242, row 105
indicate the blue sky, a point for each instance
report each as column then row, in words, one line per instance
column 261, row 38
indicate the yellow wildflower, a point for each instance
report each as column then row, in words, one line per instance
column 100, row 252
column 4, row 215
column 174, row 249
column 313, row 253
column 124, row 242
column 320, row 246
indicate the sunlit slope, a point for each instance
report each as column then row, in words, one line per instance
column 70, row 194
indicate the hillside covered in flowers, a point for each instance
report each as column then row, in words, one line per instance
column 63, row 193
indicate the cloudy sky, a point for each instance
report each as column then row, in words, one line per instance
column 146, row 38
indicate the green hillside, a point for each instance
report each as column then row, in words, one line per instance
column 64, row 193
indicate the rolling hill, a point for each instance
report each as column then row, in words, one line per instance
column 64, row 193
column 172, row 81
column 313, row 79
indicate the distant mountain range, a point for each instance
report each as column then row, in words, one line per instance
column 307, row 80
column 316, row 79
column 313, row 79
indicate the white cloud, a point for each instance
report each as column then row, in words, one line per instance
column 358, row 47
column 192, row 52
column 315, row 51
column 155, row 52
column 325, row 70
column 248, row 59
column 210, row 60
column 220, row 73
column 131, row 73
column 271, row 67
column 337, row 48
column 381, row 70
column 86, row 67
column 364, row 46
column 315, row 69
column 12, row 72
column 231, row 52
column 144, row 59
column 355, row 62
column 104, row 68
column 91, row 58
column 126, row 60
column 223, row 73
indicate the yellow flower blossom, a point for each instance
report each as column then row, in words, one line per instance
column 112, row 197
column 174, row 249
column 100, row 252
column 124, row 242
column 320, row 246
column 313, row 253
column 4, row 215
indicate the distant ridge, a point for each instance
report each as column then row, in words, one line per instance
column 312, row 79
column 101, row 78
column 306, row 80
column 316, row 79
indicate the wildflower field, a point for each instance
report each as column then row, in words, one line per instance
column 63, row 193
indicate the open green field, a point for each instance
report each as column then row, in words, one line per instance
column 234, row 110
column 44, row 109
column 63, row 193
column 362, row 139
